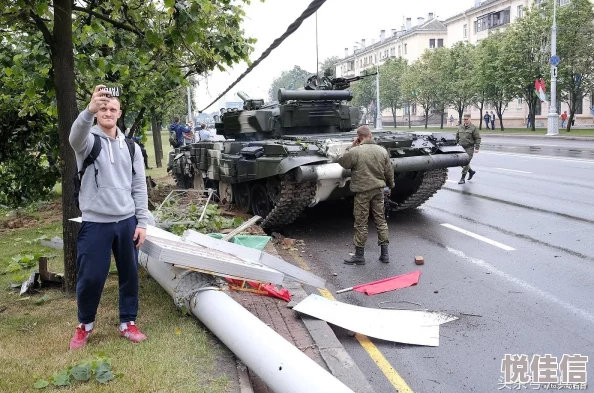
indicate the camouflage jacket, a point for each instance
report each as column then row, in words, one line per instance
column 370, row 167
column 468, row 136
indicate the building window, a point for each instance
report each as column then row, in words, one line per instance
column 564, row 2
column 465, row 31
column 405, row 49
column 520, row 103
column 520, row 11
column 440, row 42
column 432, row 43
column 493, row 19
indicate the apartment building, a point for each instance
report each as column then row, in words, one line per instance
column 471, row 25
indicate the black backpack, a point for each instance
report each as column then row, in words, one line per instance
column 91, row 159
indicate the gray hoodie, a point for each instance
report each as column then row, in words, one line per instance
column 114, row 194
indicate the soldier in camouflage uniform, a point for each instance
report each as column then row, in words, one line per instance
column 469, row 138
column 371, row 171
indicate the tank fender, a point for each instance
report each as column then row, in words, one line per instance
column 290, row 163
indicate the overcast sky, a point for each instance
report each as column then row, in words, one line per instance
column 341, row 23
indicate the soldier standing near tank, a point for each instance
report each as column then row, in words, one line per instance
column 469, row 138
column 371, row 171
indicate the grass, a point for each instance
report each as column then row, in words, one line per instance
column 157, row 173
column 179, row 356
column 517, row 131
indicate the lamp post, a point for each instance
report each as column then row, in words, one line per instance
column 190, row 104
column 378, row 110
column 553, row 121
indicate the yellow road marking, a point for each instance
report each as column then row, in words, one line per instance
column 382, row 363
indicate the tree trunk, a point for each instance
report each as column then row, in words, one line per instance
column 63, row 64
column 157, row 141
column 460, row 114
column 427, row 117
column 481, row 116
column 394, row 116
column 137, row 122
column 121, row 123
column 442, row 115
column 409, row 115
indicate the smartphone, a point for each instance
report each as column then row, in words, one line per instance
column 115, row 91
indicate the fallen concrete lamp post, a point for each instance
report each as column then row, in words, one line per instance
column 282, row 367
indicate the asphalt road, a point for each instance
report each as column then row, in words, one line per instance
column 535, row 299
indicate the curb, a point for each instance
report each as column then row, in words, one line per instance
column 340, row 363
column 528, row 136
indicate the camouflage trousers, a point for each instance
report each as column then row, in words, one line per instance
column 466, row 168
column 372, row 200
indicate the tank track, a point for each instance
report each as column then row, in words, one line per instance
column 432, row 181
column 294, row 198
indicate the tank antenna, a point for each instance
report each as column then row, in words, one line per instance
column 317, row 59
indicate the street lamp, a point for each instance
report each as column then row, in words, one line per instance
column 553, row 123
column 378, row 111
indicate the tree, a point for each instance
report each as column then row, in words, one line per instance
column 364, row 94
column 328, row 64
column 420, row 85
column 491, row 69
column 525, row 54
column 576, row 50
column 391, row 94
column 457, row 69
column 442, row 79
column 293, row 80
column 201, row 35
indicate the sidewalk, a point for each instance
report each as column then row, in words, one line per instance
column 312, row 336
column 537, row 136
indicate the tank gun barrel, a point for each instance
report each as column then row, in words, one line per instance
column 314, row 95
column 243, row 96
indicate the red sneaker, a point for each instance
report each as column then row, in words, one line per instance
column 81, row 336
column 132, row 333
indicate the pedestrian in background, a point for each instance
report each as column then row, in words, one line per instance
column 371, row 171
column 451, row 120
column 487, row 118
column 563, row 119
column 204, row 134
column 492, row 120
column 469, row 138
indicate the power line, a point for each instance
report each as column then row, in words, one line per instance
column 311, row 9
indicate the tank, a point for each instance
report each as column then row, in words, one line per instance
column 280, row 158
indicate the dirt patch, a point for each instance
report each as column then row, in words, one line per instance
column 19, row 219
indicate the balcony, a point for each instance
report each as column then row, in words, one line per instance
column 492, row 20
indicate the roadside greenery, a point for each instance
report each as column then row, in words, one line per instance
column 500, row 68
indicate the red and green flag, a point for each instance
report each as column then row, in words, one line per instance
column 540, row 89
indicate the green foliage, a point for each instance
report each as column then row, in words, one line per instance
column 457, row 69
column 575, row 47
column 20, row 262
column 99, row 367
column 178, row 216
column 423, row 82
column 391, row 92
column 364, row 93
column 293, row 80
column 329, row 63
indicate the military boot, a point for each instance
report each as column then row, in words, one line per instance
column 358, row 258
column 471, row 174
column 462, row 181
column 384, row 256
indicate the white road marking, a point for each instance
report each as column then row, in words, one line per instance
column 539, row 157
column 452, row 181
column 527, row 286
column 479, row 237
column 512, row 170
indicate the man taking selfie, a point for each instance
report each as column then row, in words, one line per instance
column 371, row 171
column 114, row 204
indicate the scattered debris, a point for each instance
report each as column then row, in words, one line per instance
column 404, row 326
column 419, row 260
column 471, row 315
column 288, row 242
column 387, row 284
column 436, row 291
column 242, row 227
column 48, row 278
column 29, row 284
column 56, row 242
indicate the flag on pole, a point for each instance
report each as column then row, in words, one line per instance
column 539, row 86
column 387, row 284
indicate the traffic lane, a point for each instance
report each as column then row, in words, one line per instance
column 556, row 233
column 559, row 197
column 462, row 288
column 559, row 169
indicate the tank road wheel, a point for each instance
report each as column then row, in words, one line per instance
column 261, row 203
column 241, row 194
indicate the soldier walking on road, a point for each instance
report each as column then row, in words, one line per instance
column 371, row 171
column 469, row 138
